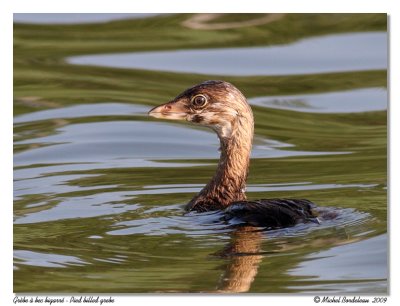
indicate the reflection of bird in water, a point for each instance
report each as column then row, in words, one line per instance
column 245, row 257
column 246, row 250
column 222, row 107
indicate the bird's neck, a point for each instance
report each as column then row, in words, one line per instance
column 233, row 166
column 229, row 181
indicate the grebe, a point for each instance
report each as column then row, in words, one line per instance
column 222, row 107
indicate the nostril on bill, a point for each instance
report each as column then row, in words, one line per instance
column 167, row 107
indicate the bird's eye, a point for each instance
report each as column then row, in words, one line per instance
column 199, row 101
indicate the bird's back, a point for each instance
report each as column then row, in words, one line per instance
column 272, row 213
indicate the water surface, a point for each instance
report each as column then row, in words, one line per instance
column 99, row 187
column 75, row 18
column 331, row 53
column 352, row 101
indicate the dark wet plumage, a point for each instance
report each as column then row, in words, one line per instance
column 272, row 213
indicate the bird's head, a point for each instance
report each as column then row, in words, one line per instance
column 215, row 104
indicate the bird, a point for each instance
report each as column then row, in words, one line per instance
column 222, row 107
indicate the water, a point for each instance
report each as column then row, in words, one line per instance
column 331, row 53
column 74, row 18
column 352, row 101
column 99, row 187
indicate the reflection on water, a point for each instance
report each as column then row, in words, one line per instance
column 325, row 266
column 354, row 101
column 84, row 110
column 45, row 260
column 98, row 142
column 99, row 187
column 332, row 53
column 72, row 18
column 245, row 257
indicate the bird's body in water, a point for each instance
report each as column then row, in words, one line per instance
column 222, row 107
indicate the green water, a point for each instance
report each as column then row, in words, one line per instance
column 99, row 186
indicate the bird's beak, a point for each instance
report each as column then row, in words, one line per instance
column 171, row 110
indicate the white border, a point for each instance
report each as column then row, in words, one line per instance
column 7, row 7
